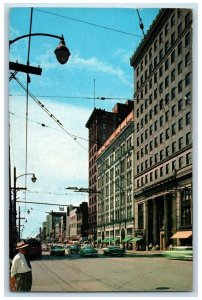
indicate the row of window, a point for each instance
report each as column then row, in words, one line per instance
column 164, row 170
column 162, row 41
column 155, row 158
column 153, row 128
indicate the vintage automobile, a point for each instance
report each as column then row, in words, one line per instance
column 113, row 250
column 88, row 250
column 57, row 250
column 179, row 252
column 73, row 249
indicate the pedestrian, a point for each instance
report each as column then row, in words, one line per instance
column 21, row 270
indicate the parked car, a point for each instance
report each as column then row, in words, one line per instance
column 113, row 250
column 57, row 250
column 73, row 249
column 88, row 250
column 180, row 252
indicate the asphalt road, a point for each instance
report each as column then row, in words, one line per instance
column 103, row 274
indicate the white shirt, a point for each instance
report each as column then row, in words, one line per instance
column 19, row 264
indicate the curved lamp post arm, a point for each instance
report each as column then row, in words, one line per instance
column 36, row 34
column 33, row 176
column 62, row 52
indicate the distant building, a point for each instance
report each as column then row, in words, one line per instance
column 163, row 130
column 101, row 124
column 115, row 215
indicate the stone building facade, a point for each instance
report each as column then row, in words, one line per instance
column 163, row 130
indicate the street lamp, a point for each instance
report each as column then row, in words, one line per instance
column 12, row 221
column 62, row 52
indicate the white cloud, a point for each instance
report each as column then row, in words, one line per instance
column 54, row 156
column 91, row 64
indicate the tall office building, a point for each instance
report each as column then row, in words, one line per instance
column 101, row 124
column 163, row 130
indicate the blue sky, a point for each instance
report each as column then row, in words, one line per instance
column 97, row 55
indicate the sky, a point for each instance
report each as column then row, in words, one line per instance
column 101, row 42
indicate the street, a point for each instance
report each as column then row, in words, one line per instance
column 74, row 274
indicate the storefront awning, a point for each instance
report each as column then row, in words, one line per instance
column 115, row 239
column 136, row 239
column 127, row 239
column 182, row 235
column 98, row 240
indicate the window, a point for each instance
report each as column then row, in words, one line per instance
column 155, row 78
column 150, row 68
column 138, row 113
column 138, row 142
column 160, row 37
column 188, row 98
column 150, row 53
column 146, row 103
column 151, row 161
column 167, row 168
column 173, row 75
column 180, row 105
column 173, row 93
column 156, row 158
column 180, row 143
column 188, row 118
column 161, row 171
column 180, row 86
column 151, row 176
column 167, row 133
column 150, row 83
column 173, row 38
column 141, row 65
column 188, row 138
column 142, row 138
column 187, row 59
column 187, row 79
column 161, row 87
column 155, row 109
column 174, row 166
column 179, row 29
column 161, row 71
column 187, row 39
column 155, row 93
column 146, row 75
column 166, row 47
column 166, row 29
column 146, row 118
column 155, row 45
column 173, row 57
column 187, row 19
column 161, row 121
column 180, row 124
column 155, row 125
column 167, row 98
column 180, row 162
column 145, row 60
column 188, row 158
column 173, row 147
column 142, row 79
column 161, row 154
column 180, row 67
column 166, row 64
column 150, row 99
column 173, row 110
column 150, row 114
column 161, row 104
column 172, row 20
column 160, row 54
column 155, row 61
column 167, row 116
column 146, row 134
column 156, row 142
column 151, row 129
column 167, row 150
column 156, row 174
column 137, row 72
column 146, row 149
column 151, row 146
column 166, row 81
column 161, row 138
column 173, row 129
column 179, row 48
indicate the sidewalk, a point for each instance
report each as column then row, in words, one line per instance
column 156, row 253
